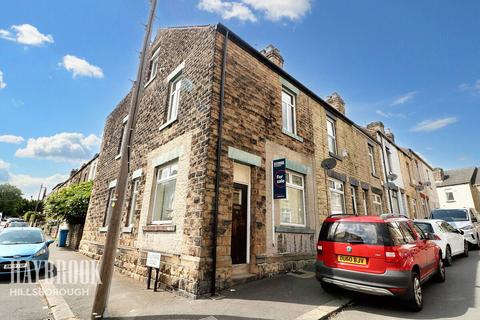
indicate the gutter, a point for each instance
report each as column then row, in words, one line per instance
column 218, row 168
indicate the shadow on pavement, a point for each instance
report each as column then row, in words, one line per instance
column 187, row 317
column 450, row 299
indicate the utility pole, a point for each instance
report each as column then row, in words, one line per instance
column 40, row 195
column 113, row 233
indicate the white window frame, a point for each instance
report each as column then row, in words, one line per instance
column 414, row 206
column 395, row 201
column 371, row 156
column 332, row 136
column 153, row 68
column 353, row 196
column 156, row 183
column 174, row 98
column 377, row 200
column 447, row 192
column 389, row 159
column 337, row 191
column 133, row 202
column 365, row 204
column 122, row 134
column 291, row 120
column 289, row 184
column 110, row 201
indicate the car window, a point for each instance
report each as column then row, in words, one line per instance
column 473, row 218
column 448, row 227
column 21, row 237
column 395, row 234
column 407, row 232
column 350, row 232
column 424, row 227
column 450, row 215
column 420, row 231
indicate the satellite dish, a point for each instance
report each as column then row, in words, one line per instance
column 392, row 177
column 428, row 183
column 329, row 163
column 419, row 188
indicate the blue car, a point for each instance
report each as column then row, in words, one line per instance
column 23, row 249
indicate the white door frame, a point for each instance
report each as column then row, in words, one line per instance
column 244, row 178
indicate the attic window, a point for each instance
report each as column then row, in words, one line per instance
column 153, row 67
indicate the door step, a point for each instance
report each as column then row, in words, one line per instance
column 243, row 278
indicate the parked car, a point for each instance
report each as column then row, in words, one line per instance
column 23, row 249
column 385, row 256
column 449, row 239
column 16, row 224
column 463, row 218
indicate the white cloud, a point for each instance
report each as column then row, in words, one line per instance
column 474, row 87
column 404, row 98
column 228, row 10
column 9, row 138
column 390, row 114
column 432, row 125
column 2, row 83
column 462, row 158
column 80, row 67
column 4, row 174
column 26, row 34
column 275, row 10
column 65, row 146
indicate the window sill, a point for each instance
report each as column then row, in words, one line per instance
column 293, row 229
column 166, row 124
column 160, row 228
column 118, row 156
column 335, row 156
column 103, row 229
column 127, row 229
column 149, row 81
column 292, row 135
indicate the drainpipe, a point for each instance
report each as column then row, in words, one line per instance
column 386, row 174
column 218, row 173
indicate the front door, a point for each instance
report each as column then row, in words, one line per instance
column 239, row 224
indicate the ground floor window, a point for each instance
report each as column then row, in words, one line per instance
column 377, row 203
column 292, row 209
column 110, row 200
column 365, row 202
column 164, row 192
column 133, row 203
column 353, row 196
column 395, row 204
column 337, row 196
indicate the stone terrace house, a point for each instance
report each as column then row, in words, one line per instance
column 197, row 97
column 85, row 173
column 458, row 188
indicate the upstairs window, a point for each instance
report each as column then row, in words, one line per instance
column 449, row 195
column 288, row 112
column 371, row 156
column 153, row 67
column 174, row 100
column 389, row 159
column 331, row 136
column 122, row 135
column 164, row 192
column 110, row 201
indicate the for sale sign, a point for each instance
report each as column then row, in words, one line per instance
column 279, row 179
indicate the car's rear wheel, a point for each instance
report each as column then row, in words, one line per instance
column 465, row 248
column 327, row 287
column 448, row 256
column 414, row 298
column 441, row 275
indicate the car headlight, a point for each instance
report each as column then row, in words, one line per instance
column 41, row 252
column 469, row 227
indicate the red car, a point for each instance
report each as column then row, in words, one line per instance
column 384, row 255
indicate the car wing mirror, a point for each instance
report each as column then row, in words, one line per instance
column 429, row 236
column 49, row 242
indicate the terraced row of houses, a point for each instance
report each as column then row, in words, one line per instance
column 213, row 108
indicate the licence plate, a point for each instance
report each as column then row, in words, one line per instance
column 352, row 260
column 14, row 266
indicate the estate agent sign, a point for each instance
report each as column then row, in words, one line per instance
column 279, row 179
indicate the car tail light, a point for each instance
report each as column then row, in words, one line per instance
column 392, row 256
column 319, row 249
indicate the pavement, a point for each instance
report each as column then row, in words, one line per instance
column 457, row 298
column 289, row 296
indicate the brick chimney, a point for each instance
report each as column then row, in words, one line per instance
column 336, row 101
column 438, row 174
column 72, row 173
column 273, row 54
column 376, row 126
column 390, row 134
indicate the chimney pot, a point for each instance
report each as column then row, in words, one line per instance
column 438, row 174
column 336, row 101
column 273, row 54
column 376, row 126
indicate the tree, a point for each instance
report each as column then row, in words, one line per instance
column 10, row 200
column 70, row 203
column 30, row 205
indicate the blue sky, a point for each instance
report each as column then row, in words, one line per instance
column 411, row 64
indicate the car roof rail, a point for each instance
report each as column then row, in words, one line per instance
column 385, row 216
column 332, row 215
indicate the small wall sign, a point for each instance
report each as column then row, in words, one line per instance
column 279, row 179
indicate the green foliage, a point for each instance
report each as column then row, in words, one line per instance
column 70, row 203
column 30, row 205
column 28, row 215
column 10, row 200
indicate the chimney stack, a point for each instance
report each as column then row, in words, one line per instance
column 438, row 174
column 273, row 54
column 376, row 126
column 336, row 101
column 390, row 135
column 72, row 173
